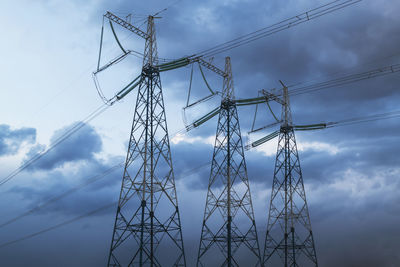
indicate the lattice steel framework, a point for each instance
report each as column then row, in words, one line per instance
column 228, row 236
column 289, row 238
column 147, row 229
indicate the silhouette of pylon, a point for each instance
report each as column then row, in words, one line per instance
column 228, row 236
column 147, row 230
column 289, row 239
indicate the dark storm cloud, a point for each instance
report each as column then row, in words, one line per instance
column 82, row 145
column 360, row 227
column 342, row 42
column 69, row 194
column 11, row 140
column 350, row 230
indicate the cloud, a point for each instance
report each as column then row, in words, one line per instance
column 89, row 183
column 80, row 146
column 73, row 165
column 11, row 140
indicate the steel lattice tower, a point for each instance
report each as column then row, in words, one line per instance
column 147, row 230
column 228, row 236
column 289, row 238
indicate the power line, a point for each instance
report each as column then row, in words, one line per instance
column 346, row 79
column 184, row 174
column 109, row 51
column 58, row 225
column 352, row 78
column 166, row 8
column 277, row 27
column 322, row 126
column 64, row 194
column 362, row 119
column 62, row 91
column 345, row 70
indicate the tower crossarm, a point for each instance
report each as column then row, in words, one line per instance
column 184, row 61
column 209, row 66
column 126, row 25
column 271, row 96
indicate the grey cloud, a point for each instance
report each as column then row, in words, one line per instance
column 191, row 163
column 360, row 228
column 85, row 195
column 82, row 145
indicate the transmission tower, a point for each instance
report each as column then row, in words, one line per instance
column 289, row 238
column 147, row 230
column 228, row 236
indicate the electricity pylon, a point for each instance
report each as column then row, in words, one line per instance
column 147, row 230
column 289, row 238
column 228, row 236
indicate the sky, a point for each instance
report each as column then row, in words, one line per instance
column 49, row 49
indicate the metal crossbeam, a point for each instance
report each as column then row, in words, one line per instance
column 271, row 96
column 209, row 66
column 126, row 25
